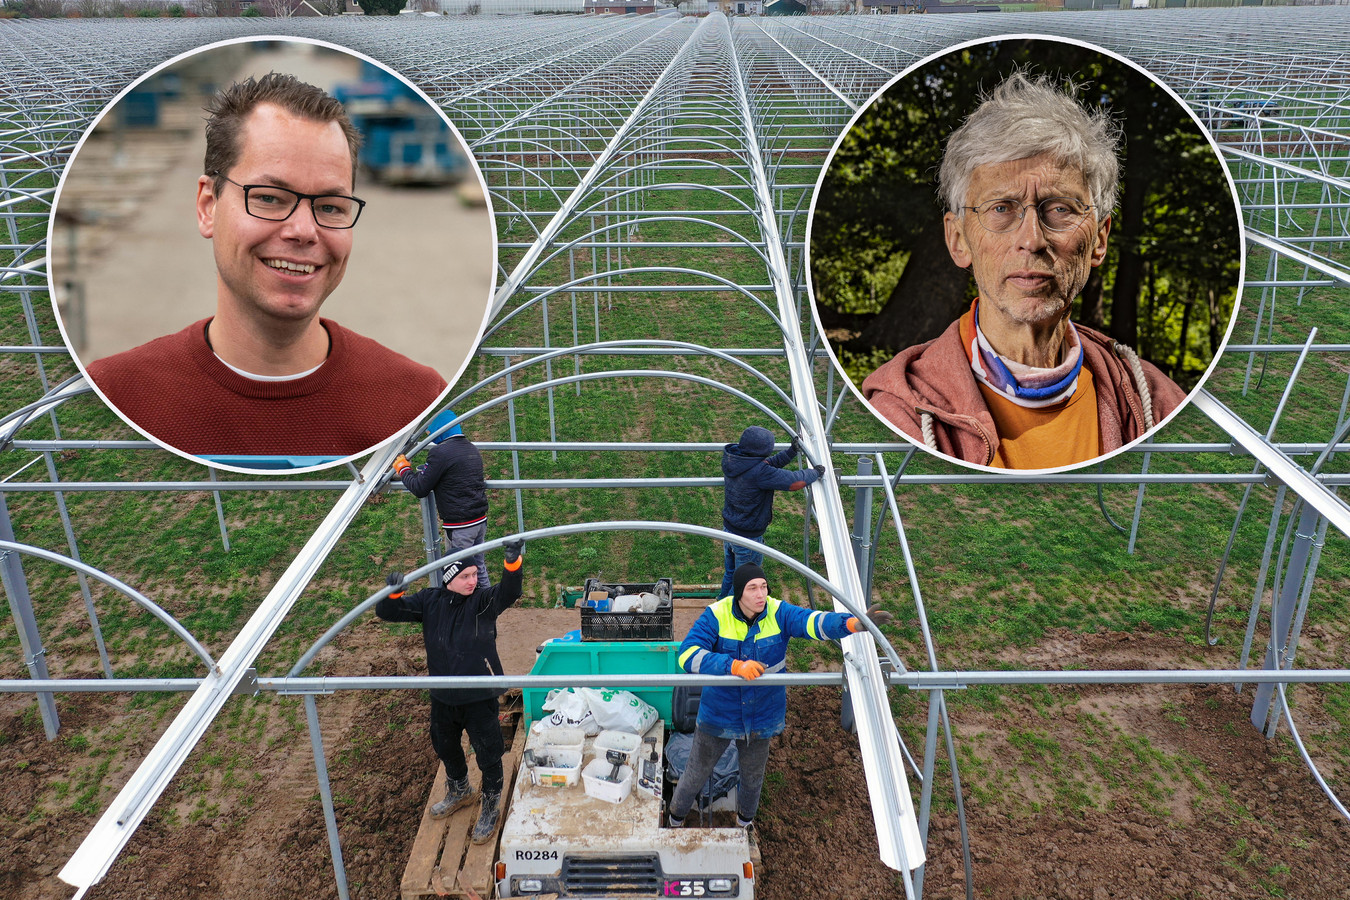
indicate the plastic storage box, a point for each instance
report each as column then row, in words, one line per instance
column 595, row 775
column 622, row 741
column 562, row 737
column 563, row 773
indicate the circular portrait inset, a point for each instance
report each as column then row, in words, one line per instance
column 272, row 254
column 1026, row 253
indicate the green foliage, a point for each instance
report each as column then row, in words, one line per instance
column 32, row 9
column 381, row 7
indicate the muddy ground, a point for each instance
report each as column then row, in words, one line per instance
column 1163, row 792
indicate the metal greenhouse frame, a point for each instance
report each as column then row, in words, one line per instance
column 631, row 159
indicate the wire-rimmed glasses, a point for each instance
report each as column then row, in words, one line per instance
column 1054, row 213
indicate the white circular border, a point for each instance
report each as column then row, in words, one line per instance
column 450, row 382
column 1232, row 189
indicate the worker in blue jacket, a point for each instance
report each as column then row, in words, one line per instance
column 750, row 475
column 746, row 634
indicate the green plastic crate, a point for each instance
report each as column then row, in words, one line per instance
column 616, row 658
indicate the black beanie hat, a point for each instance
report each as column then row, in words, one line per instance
column 449, row 572
column 757, row 441
column 744, row 574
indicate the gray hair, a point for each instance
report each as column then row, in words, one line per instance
column 1025, row 117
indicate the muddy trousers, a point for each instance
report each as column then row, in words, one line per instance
column 479, row 719
column 753, row 755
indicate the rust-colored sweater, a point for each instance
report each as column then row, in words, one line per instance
column 935, row 379
column 177, row 391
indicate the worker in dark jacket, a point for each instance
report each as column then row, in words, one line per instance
column 750, row 476
column 746, row 634
column 459, row 629
column 454, row 472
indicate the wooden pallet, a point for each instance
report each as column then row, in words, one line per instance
column 443, row 861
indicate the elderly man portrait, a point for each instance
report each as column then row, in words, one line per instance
column 1029, row 182
column 266, row 374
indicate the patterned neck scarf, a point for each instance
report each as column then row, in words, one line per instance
column 1027, row 386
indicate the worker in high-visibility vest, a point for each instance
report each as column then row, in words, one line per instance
column 746, row 634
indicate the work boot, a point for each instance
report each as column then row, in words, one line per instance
column 457, row 794
column 488, row 817
column 752, row 838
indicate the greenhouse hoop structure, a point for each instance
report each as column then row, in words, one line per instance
column 651, row 178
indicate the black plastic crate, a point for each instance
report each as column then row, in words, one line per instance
column 628, row 626
column 603, row 625
column 663, row 588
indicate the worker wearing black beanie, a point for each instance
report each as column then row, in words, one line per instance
column 746, row 634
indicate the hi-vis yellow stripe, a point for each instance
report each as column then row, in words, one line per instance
column 734, row 628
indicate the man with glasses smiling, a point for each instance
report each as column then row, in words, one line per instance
column 266, row 375
column 1029, row 180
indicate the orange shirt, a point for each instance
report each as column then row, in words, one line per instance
column 1048, row 437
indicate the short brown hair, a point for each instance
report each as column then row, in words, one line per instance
column 229, row 108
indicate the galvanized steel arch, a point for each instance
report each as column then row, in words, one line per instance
column 576, row 283
column 562, row 248
column 589, row 528
column 120, row 587
column 601, row 345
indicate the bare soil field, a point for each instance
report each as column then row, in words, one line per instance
column 1232, row 814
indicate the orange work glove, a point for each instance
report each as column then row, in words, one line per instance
column 401, row 465
column 878, row 616
column 748, row 669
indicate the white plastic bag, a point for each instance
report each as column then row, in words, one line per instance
column 619, row 710
column 566, row 707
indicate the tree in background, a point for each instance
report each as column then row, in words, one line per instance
column 98, row 9
column 879, row 201
column 33, row 9
column 381, row 7
column 879, row 263
column 216, row 7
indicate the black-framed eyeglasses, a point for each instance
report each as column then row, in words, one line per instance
column 1054, row 213
column 277, row 204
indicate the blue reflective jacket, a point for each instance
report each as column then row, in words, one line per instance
column 722, row 635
